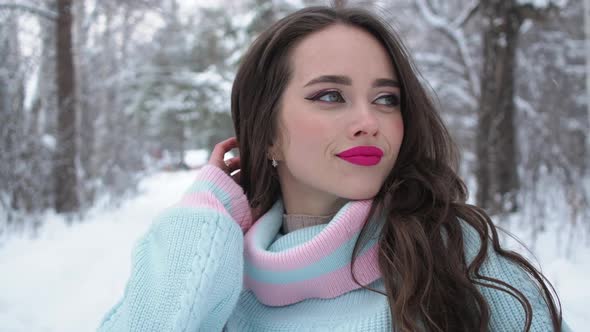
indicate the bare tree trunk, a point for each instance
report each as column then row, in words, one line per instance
column 47, row 87
column 12, row 139
column 496, row 145
column 87, row 121
column 497, row 173
column 339, row 3
column 64, row 168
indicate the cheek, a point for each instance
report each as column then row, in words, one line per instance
column 308, row 133
column 396, row 130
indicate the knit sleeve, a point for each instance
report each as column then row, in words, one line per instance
column 212, row 180
column 507, row 314
column 187, row 269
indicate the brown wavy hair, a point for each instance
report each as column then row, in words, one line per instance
column 424, row 198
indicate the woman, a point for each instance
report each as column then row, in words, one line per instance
column 343, row 211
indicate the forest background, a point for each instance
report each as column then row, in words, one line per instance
column 98, row 96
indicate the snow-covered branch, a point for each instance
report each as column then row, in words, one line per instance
column 48, row 14
column 538, row 10
column 530, row 11
column 466, row 14
column 455, row 32
column 438, row 60
column 543, row 4
column 434, row 20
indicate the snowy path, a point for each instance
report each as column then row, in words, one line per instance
column 69, row 277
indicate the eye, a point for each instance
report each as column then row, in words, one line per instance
column 328, row 96
column 389, row 100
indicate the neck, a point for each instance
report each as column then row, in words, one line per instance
column 300, row 199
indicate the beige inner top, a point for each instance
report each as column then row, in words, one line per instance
column 293, row 222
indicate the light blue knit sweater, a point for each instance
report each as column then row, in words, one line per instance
column 205, row 266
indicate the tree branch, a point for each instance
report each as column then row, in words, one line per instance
column 339, row 3
column 48, row 14
column 435, row 20
column 467, row 14
column 456, row 34
column 436, row 60
column 529, row 11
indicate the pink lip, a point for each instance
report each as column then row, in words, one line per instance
column 362, row 155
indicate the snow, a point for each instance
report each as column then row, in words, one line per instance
column 543, row 3
column 68, row 277
column 568, row 268
column 49, row 141
column 196, row 158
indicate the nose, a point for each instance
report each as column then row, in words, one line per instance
column 365, row 122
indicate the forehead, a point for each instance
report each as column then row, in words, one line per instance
column 341, row 50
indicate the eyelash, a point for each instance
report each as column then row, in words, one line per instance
column 395, row 103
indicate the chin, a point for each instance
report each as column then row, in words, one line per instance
column 360, row 188
column 357, row 195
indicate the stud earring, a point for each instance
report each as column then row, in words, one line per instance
column 274, row 163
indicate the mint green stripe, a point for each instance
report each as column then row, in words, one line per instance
column 336, row 260
column 192, row 211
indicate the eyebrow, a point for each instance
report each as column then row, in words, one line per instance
column 345, row 80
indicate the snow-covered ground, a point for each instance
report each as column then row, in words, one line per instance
column 68, row 277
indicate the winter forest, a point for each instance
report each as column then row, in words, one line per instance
column 107, row 108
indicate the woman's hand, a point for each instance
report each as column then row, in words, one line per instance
column 229, row 165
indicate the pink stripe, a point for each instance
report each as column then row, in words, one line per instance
column 203, row 199
column 327, row 286
column 335, row 234
column 240, row 208
column 242, row 213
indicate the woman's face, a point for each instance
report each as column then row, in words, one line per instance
column 343, row 94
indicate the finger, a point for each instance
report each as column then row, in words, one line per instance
column 232, row 163
column 236, row 163
column 222, row 147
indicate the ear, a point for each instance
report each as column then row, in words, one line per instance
column 274, row 151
